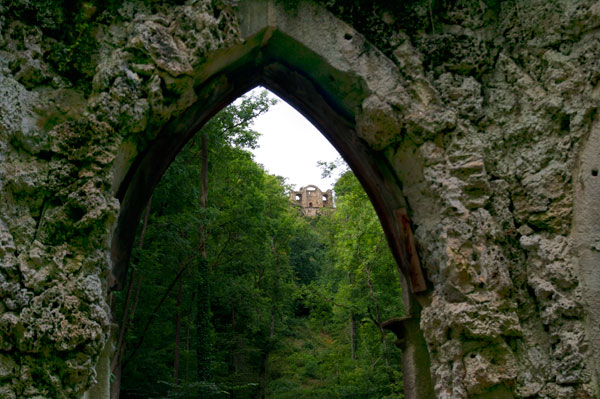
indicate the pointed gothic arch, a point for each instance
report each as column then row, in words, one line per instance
column 478, row 131
column 326, row 76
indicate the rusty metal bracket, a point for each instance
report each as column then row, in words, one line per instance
column 417, row 278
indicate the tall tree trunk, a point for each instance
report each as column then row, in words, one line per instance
column 269, row 346
column 353, row 336
column 377, row 320
column 235, row 352
column 188, row 340
column 379, row 323
column 203, row 326
column 265, row 359
column 115, row 364
column 177, row 333
column 353, row 333
column 187, row 349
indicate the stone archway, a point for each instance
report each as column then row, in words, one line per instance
column 328, row 88
column 472, row 124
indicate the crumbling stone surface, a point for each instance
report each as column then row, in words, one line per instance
column 482, row 108
column 492, row 106
column 58, row 141
column 499, row 246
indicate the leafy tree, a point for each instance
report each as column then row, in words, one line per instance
column 235, row 294
column 341, row 350
column 181, row 251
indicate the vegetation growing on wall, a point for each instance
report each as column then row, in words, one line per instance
column 73, row 32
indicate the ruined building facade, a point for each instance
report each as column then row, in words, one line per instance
column 311, row 200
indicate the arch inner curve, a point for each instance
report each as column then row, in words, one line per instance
column 328, row 88
column 323, row 87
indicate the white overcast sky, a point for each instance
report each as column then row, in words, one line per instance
column 290, row 146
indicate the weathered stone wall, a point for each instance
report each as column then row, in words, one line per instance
column 68, row 106
column 483, row 114
column 491, row 185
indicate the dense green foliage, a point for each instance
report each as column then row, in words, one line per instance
column 251, row 298
column 339, row 350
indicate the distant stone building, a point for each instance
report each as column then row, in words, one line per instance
column 312, row 201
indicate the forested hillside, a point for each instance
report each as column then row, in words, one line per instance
column 233, row 294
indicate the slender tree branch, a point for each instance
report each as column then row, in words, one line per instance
column 218, row 258
column 351, row 307
column 153, row 315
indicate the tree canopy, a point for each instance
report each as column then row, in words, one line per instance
column 234, row 294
